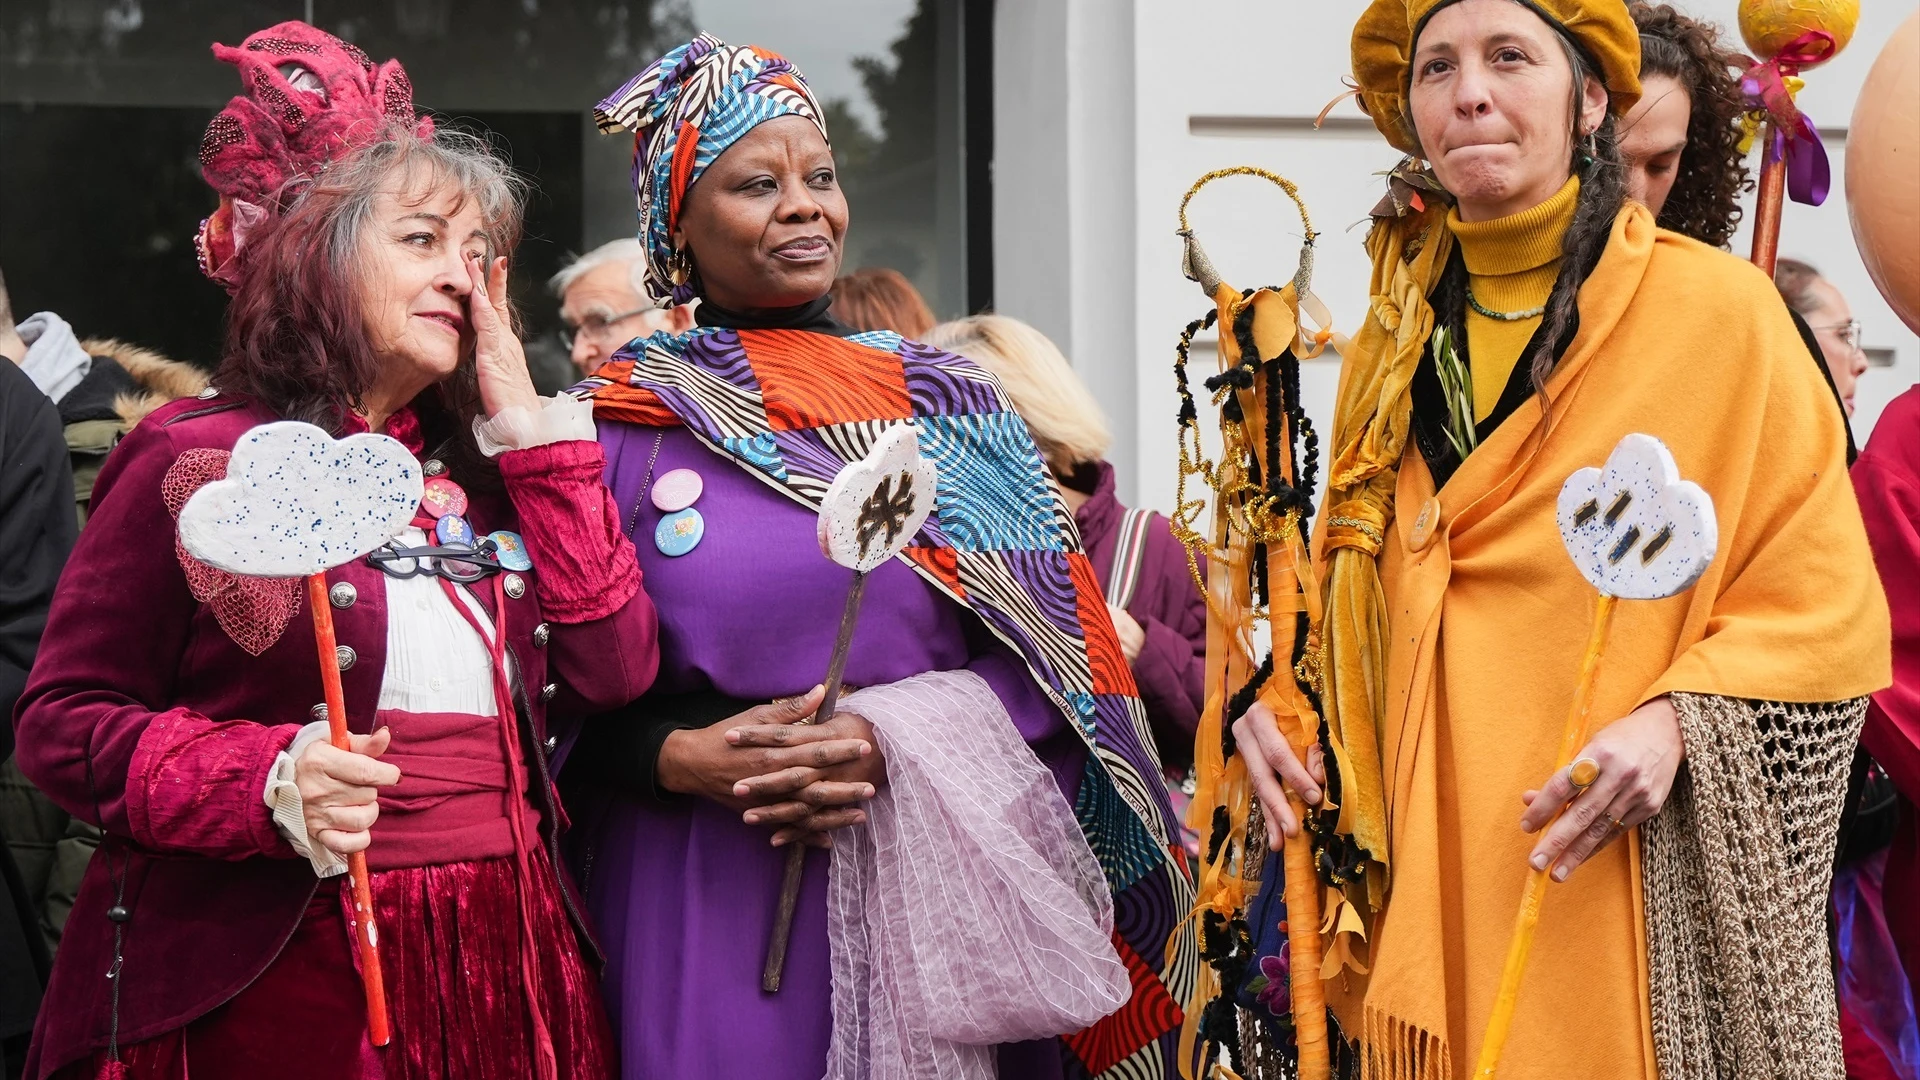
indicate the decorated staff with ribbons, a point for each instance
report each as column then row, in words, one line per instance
column 1523, row 318
column 1789, row 36
column 177, row 703
column 989, row 630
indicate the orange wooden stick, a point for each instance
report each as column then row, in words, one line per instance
column 367, row 937
column 1303, row 934
column 1772, row 198
column 1500, row 1023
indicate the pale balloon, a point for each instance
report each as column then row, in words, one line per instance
column 1883, row 172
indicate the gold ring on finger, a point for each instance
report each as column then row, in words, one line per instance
column 1582, row 773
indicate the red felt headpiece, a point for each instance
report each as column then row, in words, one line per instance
column 308, row 97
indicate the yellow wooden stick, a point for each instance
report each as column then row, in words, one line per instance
column 1578, row 719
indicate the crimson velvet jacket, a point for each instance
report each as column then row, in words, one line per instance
column 144, row 717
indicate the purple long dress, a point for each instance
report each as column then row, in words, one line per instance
column 683, row 895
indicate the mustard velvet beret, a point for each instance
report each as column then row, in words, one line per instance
column 1383, row 42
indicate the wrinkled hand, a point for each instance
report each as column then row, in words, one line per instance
column 1638, row 755
column 340, row 789
column 809, row 801
column 1275, row 769
column 499, row 359
column 1132, row 637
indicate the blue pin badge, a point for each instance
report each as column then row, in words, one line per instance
column 453, row 530
column 510, row 550
column 679, row 532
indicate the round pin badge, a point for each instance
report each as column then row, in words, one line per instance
column 453, row 529
column 441, row 496
column 677, row 490
column 679, row 532
column 510, row 550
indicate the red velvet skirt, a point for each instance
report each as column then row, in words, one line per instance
column 449, row 949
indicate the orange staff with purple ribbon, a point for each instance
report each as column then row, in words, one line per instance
column 1789, row 36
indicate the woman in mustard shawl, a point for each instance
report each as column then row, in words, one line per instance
column 1691, row 942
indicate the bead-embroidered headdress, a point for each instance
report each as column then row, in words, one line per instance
column 308, row 97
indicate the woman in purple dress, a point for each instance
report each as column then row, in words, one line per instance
column 720, row 443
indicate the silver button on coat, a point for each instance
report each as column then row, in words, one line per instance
column 547, row 691
column 345, row 656
column 343, row 594
column 541, row 635
column 516, row 586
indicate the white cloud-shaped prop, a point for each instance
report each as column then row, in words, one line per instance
column 296, row 501
column 1635, row 529
column 877, row 504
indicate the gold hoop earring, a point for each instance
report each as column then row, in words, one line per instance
column 679, row 266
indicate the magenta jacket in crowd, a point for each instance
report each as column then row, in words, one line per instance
column 1887, row 481
column 1172, row 668
column 144, row 716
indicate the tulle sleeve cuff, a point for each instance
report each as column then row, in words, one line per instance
column 558, row 419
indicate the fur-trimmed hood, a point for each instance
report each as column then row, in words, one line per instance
column 156, row 379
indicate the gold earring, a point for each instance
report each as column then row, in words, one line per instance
column 679, row 266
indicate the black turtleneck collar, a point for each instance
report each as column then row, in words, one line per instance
column 809, row 316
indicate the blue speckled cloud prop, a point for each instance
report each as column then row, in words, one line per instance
column 297, row 501
column 1635, row 529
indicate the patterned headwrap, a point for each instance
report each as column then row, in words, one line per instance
column 685, row 109
column 309, row 97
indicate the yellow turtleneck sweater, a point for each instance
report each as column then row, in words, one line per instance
column 1511, row 266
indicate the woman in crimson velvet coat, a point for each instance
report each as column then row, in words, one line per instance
column 173, row 704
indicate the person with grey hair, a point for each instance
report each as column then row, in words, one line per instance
column 173, row 705
column 603, row 302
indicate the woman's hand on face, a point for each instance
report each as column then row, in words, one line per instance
column 340, row 789
column 809, row 800
column 1275, row 769
column 1638, row 756
column 499, row 359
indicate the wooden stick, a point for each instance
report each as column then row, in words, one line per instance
column 1772, row 198
column 368, row 936
column 797, row 852
column 1303, row 935
column 1500, row 1024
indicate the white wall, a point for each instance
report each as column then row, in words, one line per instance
column 1064, row 204
column 1238, row 82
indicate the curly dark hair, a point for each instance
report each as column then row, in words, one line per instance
column 1705, row 202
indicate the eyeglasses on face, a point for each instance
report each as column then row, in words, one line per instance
column 1848, row 332
column 595, row 327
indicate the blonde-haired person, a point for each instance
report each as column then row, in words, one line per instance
column 1157, row 609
